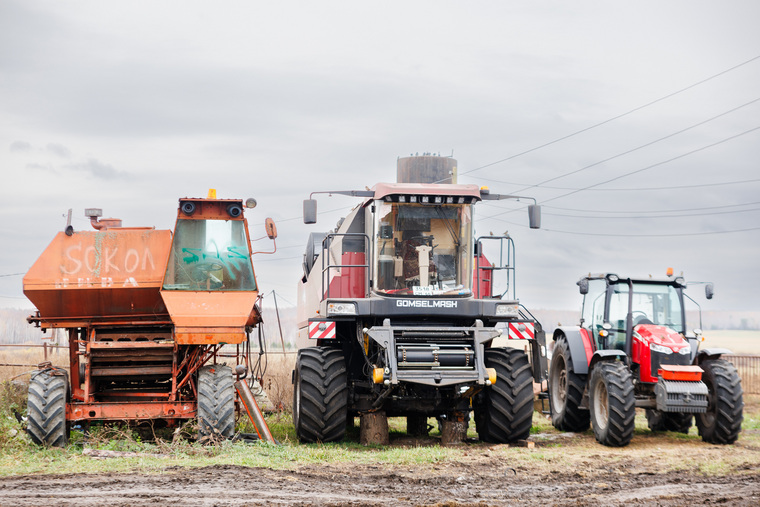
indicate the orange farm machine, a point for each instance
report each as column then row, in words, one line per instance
column 147, row 313
column 398, row 316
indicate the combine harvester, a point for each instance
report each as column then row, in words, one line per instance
column 397, row 316
column 146, row 312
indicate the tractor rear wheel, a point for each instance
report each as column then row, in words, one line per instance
column 320, row 395
column 725, row 405
column 46, row 408
column 566, row 391
column 216, row 402
column 505, row 413
column 668, row 421
column 612, row 403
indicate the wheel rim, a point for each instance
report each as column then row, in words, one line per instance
column 559, row 386
column 601, row 405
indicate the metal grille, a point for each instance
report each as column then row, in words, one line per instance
column 749, row 371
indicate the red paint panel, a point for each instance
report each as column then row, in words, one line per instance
column 588, row 344
column 349, row 282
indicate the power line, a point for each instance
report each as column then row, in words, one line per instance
column 652, row 216
column 730, row 138
column 613, row 118
column 639, row 189
column 639, row 170
column 655, row 211
column 665, row 235
column 628, row 152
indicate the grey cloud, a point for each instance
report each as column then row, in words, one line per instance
column 98, row 169
column 20, row 147
column 58, row 149
column 40, row 167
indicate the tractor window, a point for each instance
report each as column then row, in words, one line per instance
column 423, row 249
column 656, row 304
column 593, row 306
column 209, row 255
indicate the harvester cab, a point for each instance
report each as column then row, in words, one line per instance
column 632, row 349
column 396, row 308
column 147, row 313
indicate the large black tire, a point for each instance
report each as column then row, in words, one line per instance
column 46, row 409
column 320, row 395
column 505, row 413
column 725, row 405
column 612, row 403
column 216, row 402
column 566, row 391
column 668, row 421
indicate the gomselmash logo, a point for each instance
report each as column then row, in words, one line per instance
column 424, row 303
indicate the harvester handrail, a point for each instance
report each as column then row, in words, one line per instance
column 509, row 266
column 326, row 268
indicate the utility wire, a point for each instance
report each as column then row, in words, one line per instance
column 655, row 211
column 640, row 170
column 730, row 138
column 610, row 119
column 666, row 235
column 624, row 189
column 627, row 217
column 646, row 145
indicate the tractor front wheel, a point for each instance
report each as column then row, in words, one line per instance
column 505, row 413
column 216, row 402
column 46, row 408
column 725, row 405
column 320, row 395
column 612, row 403
column 668, row 421
column 566, row 391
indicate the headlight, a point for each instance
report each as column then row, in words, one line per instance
column 659, row 348
column 507, row 311
column 684, row 351
column 341, row 309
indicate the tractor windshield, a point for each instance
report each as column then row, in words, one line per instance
column 423, row 249
column 652, row 304
column 209, row 255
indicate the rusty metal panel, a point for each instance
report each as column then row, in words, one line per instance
column 209, row 317
column 100, row 274
column 130, row 411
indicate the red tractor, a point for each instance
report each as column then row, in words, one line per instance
column 632, row 350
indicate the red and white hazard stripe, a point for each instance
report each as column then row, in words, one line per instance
column 521, row 331
column 321, row 329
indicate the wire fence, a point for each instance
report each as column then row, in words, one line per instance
column 747, row 366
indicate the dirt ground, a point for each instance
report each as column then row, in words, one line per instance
column 481, row 475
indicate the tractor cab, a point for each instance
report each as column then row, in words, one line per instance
column 644, row 318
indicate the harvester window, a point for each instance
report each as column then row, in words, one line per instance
column 209, row 255
column 423, row 250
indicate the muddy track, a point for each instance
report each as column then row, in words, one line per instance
column 453, row 484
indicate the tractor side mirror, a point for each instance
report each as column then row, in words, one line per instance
column 709, row 291
column 310, row 211
column 583, row 286
column 534, row 216
column 270, row 228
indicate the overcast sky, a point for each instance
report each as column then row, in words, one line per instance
column 631, row 122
